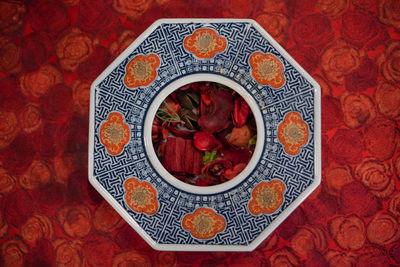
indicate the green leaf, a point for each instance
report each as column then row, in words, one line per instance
column 252, row 141
column 209, row 156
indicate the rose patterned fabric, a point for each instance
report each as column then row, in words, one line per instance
column 51, row 51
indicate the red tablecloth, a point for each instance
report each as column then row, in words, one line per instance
column 50, row 52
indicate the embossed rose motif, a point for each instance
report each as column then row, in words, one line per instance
column 389, row 62
column 8, row 128
column 73, row 49
column 389, row 12
column 13, row 252
column 7, row 183
column 283, row 257
column 133, row 9
column 37, row 175
column 39, row 83
column 141, row 70
column 106, row 219
column 313, row 30
column 381, row 138
column 124, row 40
column 76, row 220
column 141, row 197
column 336, row 176
column 376, row 176
column 205, row 43
column 10, row 56
column 293, row 133
column 383, row 229
column 204, row 223
column 358, row 109
column 348, row 231
column 339, row 258
column 37, row 227
column 267, row 69
column 277, row 24
column 168, row 258
column 12, row 17
column 307, row 239
column 267, row 197
column 81, row 96
column 98, row 250
column 333, row 8
column 372, row 256
column 132, row 258
column 68, row 252
column 362, row 29
column 387, row 97
column 339, row 60
column 30, row 118
column 114, row 133
column 394, row 204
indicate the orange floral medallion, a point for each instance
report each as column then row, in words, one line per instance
column 204, row 223
column 267, row 197
column 205, row 43
column 141, row 70
column 293, row 133
column 141, row 197
column 114, row 133
column 267, row 69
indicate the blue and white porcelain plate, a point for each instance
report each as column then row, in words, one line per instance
column 168, row 213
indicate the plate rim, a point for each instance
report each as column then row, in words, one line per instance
column 282, row 216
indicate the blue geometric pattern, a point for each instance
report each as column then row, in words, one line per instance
column 166, row 40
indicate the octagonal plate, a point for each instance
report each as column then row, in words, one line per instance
column 237, row 215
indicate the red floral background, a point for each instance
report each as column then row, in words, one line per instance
column 50, row 52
